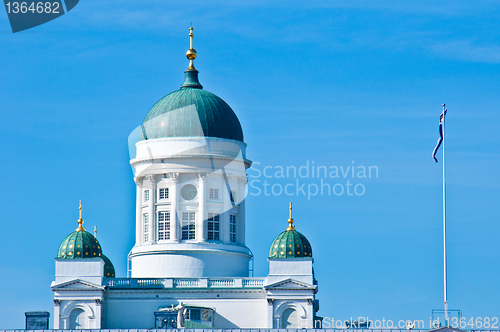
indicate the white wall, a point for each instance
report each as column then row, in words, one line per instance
column 88, row 269
column 244, row 309
column 297, row 268
column 177, row 263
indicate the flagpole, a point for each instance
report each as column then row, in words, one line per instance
column 444, row 227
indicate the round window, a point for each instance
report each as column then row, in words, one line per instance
column 189, row 192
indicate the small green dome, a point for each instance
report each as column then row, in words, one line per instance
column 82, row 244
column 290, row 244
column 191, row 112
column 79, row 244
column 109, row 269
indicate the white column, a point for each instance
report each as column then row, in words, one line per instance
column 270, row 313
column 201, row 235
column 63, row 320
column 152, row 207
column 64, row 323
column 138, row 217
column 310, row 314
column 57, row 312
column 174, row 214
column 227, row 207
column 240, row 194
column 97, row 314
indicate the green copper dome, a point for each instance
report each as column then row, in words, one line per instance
column 290, row 243
column 109, row 269
column 191, row 112
column 79, row 244
column 82, row 244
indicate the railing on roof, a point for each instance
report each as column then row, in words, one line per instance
column 185, row 282
column 151, row 282
column 253, row 282
column 119, row 282
column 221, row 282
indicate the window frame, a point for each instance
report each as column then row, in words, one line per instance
column 190, row 223
column 233, row 236
column 213, row 222
column 165, row 191
column 164, row 225
column 213, row 193
column 146, row 226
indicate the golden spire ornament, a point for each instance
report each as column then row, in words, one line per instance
column 191, row 53
column 80, row 221
column 291, row 227
column 95, row 232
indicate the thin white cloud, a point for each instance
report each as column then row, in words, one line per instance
column 159, row 13
column 390, row 24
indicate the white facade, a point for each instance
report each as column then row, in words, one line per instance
column 78, row 293
column 130, row 303
column 190, row 249
column 189, row 257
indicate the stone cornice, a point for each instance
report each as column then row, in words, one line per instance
column 160, row 160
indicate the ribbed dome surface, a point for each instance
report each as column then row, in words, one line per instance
column 109, row 269
column 79, row 244
column 290, row 244
column 191, row 112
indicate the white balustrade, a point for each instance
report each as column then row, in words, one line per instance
column 183, row 282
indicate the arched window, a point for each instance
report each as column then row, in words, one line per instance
column 78, row 319
column 289, row 319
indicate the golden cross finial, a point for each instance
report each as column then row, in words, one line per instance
column 291, row 227
column 191, row 37
column 95, row 232
column 191, row 53
column 80, row 221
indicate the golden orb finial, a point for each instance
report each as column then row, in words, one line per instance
column 95, row 232
column 191, row 53
column 291, row 227
column 80, row 221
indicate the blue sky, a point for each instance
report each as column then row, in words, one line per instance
column 338, row 83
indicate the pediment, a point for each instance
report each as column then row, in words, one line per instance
column 289, row 284
column 76, row 284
